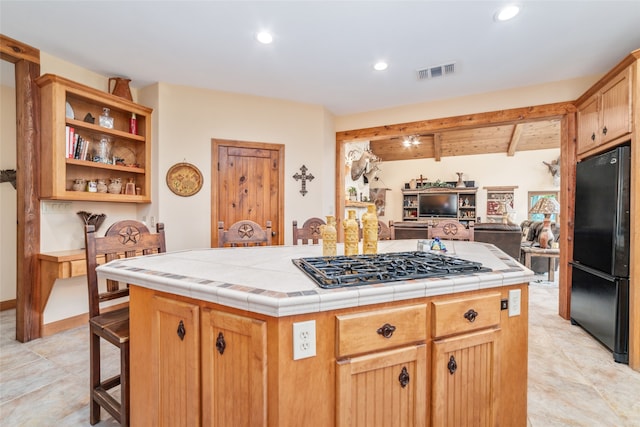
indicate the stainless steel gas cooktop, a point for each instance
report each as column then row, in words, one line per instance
column 340, row 271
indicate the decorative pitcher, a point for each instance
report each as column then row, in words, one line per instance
column 116, row 186
column 121, row 88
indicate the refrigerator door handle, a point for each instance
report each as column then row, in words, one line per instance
column 593, row 271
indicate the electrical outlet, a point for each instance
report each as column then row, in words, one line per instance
column 514, row 302
column 304, row 339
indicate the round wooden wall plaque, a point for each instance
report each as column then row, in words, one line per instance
column 184, row 179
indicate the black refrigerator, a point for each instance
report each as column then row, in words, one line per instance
column 600, row 267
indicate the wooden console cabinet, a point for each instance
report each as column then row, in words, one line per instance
column 466, row 209
column 199, row 363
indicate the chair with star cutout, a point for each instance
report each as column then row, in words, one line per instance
column 450, row 229
column 123, row 239
column 244, row 233
column 309, row 232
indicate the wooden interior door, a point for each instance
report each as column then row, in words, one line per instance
column 248, row 183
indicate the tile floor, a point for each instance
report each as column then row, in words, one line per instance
column 573, row 380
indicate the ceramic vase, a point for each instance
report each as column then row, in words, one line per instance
column 370, row 231
column 79, row 185
column 102, row 186
column 115, row 187
column 329, row 237
column 351, row 238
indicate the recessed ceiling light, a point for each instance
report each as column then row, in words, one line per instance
column 380, row 66
column 507, row 12
column 264, row 37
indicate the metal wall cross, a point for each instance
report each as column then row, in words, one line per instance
column 304, row 177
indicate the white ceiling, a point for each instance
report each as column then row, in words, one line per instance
column 323, row 51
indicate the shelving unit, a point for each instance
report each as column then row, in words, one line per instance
column 499, row 198
column 466, row 209
column 133, row 150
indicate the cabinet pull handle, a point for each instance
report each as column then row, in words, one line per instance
column 593, row 136
column 452, row 365
column 403, row 377
column 604, row 130
column 181, row 331
column 386, row 330
column 471, row 315
column 220, row 343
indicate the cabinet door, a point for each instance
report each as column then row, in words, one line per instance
column 588, row 132
column 465, row 380
column 234, row 370
column 175, row 340
column 616, row 107
column 382, row 389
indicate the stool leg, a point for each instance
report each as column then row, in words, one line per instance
column 94, row 377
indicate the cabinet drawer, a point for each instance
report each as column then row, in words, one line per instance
column 467, row 314
column 380, row 329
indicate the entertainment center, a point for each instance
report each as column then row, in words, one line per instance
column 434, row 203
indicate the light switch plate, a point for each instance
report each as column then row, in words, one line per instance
column 515, row 296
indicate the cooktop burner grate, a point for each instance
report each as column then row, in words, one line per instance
column 340, row 271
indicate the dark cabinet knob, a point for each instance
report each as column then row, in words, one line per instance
column 604, row 130
column 220, row 343
column 386, row 330
column 593, row 136
column 471, row 315
column 181, row 330
column 403, row 378
column 452, row 365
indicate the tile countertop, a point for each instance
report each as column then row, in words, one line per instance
column 264, row 280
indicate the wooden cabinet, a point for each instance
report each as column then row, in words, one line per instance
column 500, row 201
column 465, row 360
column 606, row 115
column 67, row 104
column 383, row 387
column 192, row 365
column 234, row 370
column 174, row 394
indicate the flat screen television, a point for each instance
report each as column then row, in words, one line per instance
column 438, row 205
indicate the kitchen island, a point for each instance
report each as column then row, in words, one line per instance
column 241, row 336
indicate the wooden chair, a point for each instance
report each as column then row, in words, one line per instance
column 450, row 229
column 309, row 232
column 122, row 240
column 386, row 232
column 244, row 233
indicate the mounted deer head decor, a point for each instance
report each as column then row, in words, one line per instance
column 554, row 170
column 358, row 167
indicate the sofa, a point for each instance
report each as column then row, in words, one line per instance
column 506, row 237
column 530, row 233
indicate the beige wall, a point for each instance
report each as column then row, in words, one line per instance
column 8, row 199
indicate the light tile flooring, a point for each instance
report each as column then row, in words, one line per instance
column 573, row 380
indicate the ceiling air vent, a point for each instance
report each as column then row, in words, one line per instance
column 436, row 71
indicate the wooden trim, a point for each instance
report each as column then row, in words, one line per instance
column 628, row 60
column 13, row 51
column 62, row 325
column 8, row 304
column 634, row 269
column 568, row 159
column 27, row 69
column 515, row 139
column 501, row 188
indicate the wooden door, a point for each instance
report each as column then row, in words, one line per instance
column 616, row 107
column 465, row 380
column 248, row 183
column 588, row 132
column 234, row 370
column 383, row 389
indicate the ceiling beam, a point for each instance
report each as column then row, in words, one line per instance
column 512, row 116
column 515, row 139
column 437, row 147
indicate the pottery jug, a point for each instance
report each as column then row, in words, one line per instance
column 115, row 186
column 121, row 87
column 102, row 186
column 79, row 184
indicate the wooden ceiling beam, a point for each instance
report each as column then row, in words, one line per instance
column 512, row 116
column 437, row 147
column 515, row 139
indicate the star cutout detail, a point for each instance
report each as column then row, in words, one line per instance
column 245, row 231
column 450, row 229
column 129, row 234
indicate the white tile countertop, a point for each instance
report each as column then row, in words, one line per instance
column 265, row 280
